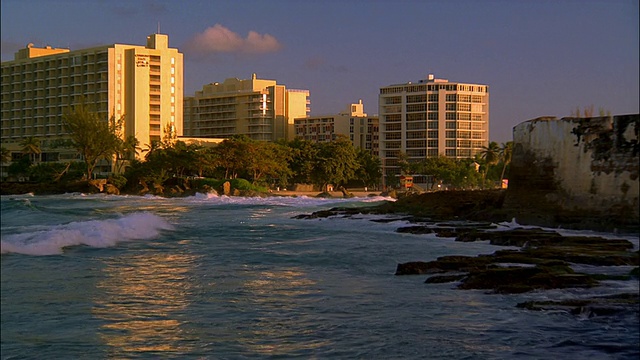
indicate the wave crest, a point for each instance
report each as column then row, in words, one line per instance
column 94, row 233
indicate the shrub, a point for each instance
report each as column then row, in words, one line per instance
column 117, row 180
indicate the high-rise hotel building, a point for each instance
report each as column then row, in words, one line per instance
column 430, row 118
column 260, row 109
column 142, row 83
column 353, row 123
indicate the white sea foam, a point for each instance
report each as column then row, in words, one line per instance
column 94, row 233
column 281, row 200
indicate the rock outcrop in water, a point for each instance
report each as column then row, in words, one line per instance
column 542, row 262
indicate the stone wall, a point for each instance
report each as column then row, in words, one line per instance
column 574, row 171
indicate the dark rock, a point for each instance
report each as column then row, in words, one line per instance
column 415, row 230
column 440, row 279
column 512, row 280
column 412, row 268
column 448, row 233
column 443, row 264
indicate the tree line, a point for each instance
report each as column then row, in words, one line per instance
column 264, row 164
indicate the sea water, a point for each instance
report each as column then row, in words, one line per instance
column 215, row 277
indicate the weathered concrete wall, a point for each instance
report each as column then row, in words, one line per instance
column 576, row 169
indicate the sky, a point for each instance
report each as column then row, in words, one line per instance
column 538, row 57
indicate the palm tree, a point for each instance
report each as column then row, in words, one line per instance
column 5, row 155
column 505, row 155
column 31, row 146
column 127, row 150
column 151, row 149
column 491, row 156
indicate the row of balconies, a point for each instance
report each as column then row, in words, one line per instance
column 53, row 74
column 49, row 94
column 95, row 86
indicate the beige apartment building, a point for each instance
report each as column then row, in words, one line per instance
column 142, row 83
column 258, row 108
column 430, row 118
column 354, row 123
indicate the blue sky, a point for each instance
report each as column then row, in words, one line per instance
column 539, row 58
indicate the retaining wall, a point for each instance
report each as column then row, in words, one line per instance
column 576, row 170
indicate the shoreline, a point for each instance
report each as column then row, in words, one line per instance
column 334, row 194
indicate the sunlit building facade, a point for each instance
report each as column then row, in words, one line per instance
column 353, row 123
column 430, row 118
column 260, row 109
column 142, row 84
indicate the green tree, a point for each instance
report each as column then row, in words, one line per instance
column 206, row 161
column 20, row 167
column 506, row 151
column 126, row 151
column 31, row 146
column 94, row 138
column 267, row 159
column 302, row 160
column 5, row 155
column 233, row 155
column 406, row 167
column 440, row 168
column 490, row 155
column 151, row 148
column 336, row 163
column 370, row 169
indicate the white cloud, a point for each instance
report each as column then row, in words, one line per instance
column 219, row 39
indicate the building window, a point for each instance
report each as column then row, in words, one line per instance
column 417, row 116
column 417, row 153
column 416, row 143
column 464, row 107
column 391, row 127
column 393, row 117
column 416, row 107
column 393, row 145
column 393, row 136
column 417, row 98
column 393, row 100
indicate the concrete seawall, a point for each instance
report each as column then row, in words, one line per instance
column 576, row 171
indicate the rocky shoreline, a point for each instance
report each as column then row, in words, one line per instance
column 543, row 260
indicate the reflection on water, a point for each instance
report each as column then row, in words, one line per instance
column 141, row 300
column 283, row 300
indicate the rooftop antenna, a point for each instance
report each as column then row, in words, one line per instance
column 158, row 28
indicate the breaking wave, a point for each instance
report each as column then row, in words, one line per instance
column 94, row 233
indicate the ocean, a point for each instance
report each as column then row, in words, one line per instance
column 215, row 277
